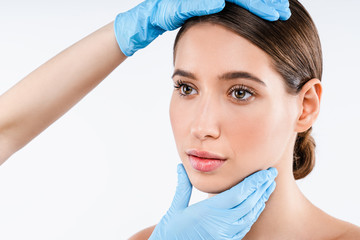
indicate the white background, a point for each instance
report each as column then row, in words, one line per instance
column 108, row 167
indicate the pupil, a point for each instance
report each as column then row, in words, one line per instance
column 187, row 89
column 240, row 94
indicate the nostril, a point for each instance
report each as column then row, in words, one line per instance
column 211, row 132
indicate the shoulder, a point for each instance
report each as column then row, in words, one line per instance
column 325, row 226
column 143, row 234
column 341, row 230
column 349, row 232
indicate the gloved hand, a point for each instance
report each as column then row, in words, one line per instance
column 228, row 215
column 139, row 26
column 271, row 10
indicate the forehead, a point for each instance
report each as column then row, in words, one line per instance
column 211, row 49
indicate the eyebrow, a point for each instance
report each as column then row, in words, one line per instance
column 225, row 76
column 182, row 73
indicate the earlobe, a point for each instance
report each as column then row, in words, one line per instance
column 309, row 105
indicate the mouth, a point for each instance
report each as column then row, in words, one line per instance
column 205, row 161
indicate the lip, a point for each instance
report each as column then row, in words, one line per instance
column 205, row 161
column 204, row 154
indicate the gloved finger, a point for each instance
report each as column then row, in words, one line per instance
column 279, row 4
column 244, row 208
column 283, row 8
column 200, row 7
column 237, row 227
column 183, row 190
column 246, row 229
column 249, row 219
column 177, row 12
column 259, row 8
column 254, row 214
column 237, row 194
column 285, row 14
column 241, row 234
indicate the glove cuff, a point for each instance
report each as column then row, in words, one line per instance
column 133, row 29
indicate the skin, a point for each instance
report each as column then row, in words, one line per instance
column 251, row 135
column 61, row 82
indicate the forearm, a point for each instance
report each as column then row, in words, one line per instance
column 51, row 90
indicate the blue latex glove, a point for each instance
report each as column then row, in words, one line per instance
column 139, row 26
column 228, row 215
column 271, row 10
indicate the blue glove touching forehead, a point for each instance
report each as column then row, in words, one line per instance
column 138, row 27
column 271, row 10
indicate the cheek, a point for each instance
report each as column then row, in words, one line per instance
column 259, row 136
column 256, row 138
column 253, row 137
column 178, row 121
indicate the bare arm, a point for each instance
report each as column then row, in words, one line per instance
column 47, row 93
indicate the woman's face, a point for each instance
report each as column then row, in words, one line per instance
column 228, row 101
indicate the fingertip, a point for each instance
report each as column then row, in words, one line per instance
column 264, row 11
column 272, row 17
column 217, row 7
column 273, row 172
column 269, row 191
column 285, row 3
column 259, row 212
column 181, row 172
column 272, row 187
column 182, row 175
column 180, row 168
column 183, row 190
column 221, row 5
column 260, row 177
column 205, row 7
column 285, row 15
column 283, row 8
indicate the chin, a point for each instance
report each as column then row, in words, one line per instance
column 220, row 180
column 209, row 189
column 211, row 183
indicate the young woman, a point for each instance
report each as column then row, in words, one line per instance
column 52, row 89
column 247, row 93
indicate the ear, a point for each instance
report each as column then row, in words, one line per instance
column 309, row 105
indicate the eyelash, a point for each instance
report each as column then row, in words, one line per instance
column 179, row 84
column 242, row 87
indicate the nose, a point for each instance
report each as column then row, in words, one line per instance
column 206, row 124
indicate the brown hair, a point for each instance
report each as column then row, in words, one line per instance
column 295, row 49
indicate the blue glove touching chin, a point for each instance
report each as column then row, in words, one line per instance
column 228, row 215
column 139, row 26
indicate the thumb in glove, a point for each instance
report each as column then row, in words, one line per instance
column 183, row 191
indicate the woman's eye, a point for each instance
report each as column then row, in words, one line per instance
column 186, row 89
column 241, row 94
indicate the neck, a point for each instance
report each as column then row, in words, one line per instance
column 286, row 210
